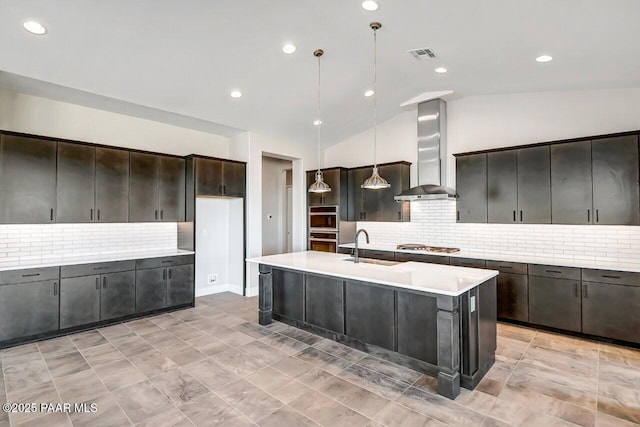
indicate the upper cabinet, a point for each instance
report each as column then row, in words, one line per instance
column 27, row 180
column 215, row 177
column 156, row 187
column 112, row 185
column 588, row 181
column 337, row 179
column 379, row 205
column 76, row 183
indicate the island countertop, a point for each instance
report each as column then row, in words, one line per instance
column 417, row 276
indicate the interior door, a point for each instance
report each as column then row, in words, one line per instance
column 27, row 180
column 143, row 188
column 571, row 183
column 117, row 295
column 502, row 187
column 534, row 185
column 112, row 185
column 171, row 188
column 76, row 183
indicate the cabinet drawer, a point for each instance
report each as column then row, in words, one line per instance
column 468, row 262
column 347, row 251
column 507, row 267
column 433, row 259
column 29, row 275
column 97, row 268
column 610, row 276
column 572, row 273
column 164, row 261
column 384, row 255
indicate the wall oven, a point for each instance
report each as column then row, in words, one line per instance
column 323, row 241
column 324, row 217
column 326, row 231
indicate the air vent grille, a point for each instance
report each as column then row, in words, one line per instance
column 423, row 53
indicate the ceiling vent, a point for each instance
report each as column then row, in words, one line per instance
column 424, row 53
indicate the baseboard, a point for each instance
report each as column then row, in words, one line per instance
column 216, row 289
column 252, row 292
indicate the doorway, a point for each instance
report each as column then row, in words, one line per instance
column 277, row 206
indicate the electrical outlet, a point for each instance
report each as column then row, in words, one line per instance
column 212, row 279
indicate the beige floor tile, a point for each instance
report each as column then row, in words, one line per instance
column 28, row 374
column 262, row 352
column 254, row 403
column 210, row 410
column 352, row 396
column 374, row 381
column 277, row 384
column 327, row 412
column 102, row 355
column 323, row 360
column 56, row 346
column 179, row 386
column 211, row 374
column 285, row 417
column 238, row 362
column 88, row 339
column 152, row 362
column 390, row 369
column 340, row 350
column 393, row 415
column 108, row 413
column 80, row 386
column 142, row 401
column 65, row 364
column 118, row 374
column 42, row 393
column 285, row 344
column 439, row 408
column 170, row 418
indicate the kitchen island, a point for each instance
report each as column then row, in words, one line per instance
column 436, row 319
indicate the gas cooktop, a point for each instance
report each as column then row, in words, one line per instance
column 420, row 247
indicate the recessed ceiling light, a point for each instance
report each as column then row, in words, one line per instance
column 370, row 5
column 441, row 70
column 369, row 93
column 544, row 58
column 236, row 94
column 35, row 27
column 289, row 48
column 317, row 123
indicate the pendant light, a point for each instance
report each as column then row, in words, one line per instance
column 319, row 186
column 375, row 181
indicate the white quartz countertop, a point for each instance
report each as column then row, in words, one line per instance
column 417, row 276
column 90, row 259
column 492, row 256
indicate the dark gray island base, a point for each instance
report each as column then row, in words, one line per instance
column 452, row 338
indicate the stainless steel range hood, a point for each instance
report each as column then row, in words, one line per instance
column 432, row 151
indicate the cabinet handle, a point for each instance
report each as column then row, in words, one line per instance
column 553, row 271
column 51, row 214
column 161, row 213
column 458, row 216
column 576, row 290
column 597, row 215
column 588, row 215
column 104, row 283
column 164, row 274
column 97, row 283
column 31, row 275
column 585, row 292
column 224, row 190
column 399, row 215
column 611, row 277
column 520, row 216
column 505, row 266
column 100, row 268
column 55, row 288
column 98, row 214
column 166, row 262
column 156, row 214
column 514, row 216
column 91, row 214
column 169, row 273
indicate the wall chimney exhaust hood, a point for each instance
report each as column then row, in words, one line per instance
column 432, row 151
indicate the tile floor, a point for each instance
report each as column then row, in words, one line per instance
column 214, row 365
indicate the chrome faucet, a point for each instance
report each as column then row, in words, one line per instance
column 355, row 255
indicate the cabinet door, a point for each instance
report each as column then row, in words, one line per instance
column 27, row 180
column 389, row 210
column 208, row 177
column 370, row 314
column 418, row 327
column 314, row 199
column 370, row 202
column 571, row 183
column 112, row 185
column 324, row 302
column 75, row 183
column 555, row 303
column 118, row 295
column 615, row 180
column 151, row 289
column 180, row 285
column 502, row 187
column 233, row 179
column 171, row 189
column 611, row 311
column 143, row 188
column 79, row 301
column 513, row 297
column 28, row 309
column 332, row 178
column 534, row 185
column 355, row 199
column 471, row 186
column 288, row 294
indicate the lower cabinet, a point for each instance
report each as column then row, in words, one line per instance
column 117, row 295
column 163, row 282
column 180, row 284
column 555, row 303
column 79, row 301
column 611, row 311
column 288, row 294
column 28, row 309
column 151, row 289
column 369, row 312
column 418, row 326
column 324, row 302
column 513, row 296
column 432, row 259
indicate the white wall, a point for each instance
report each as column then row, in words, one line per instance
column 41, row 116
column 273, row 205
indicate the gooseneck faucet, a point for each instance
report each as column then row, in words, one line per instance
column 355, row 256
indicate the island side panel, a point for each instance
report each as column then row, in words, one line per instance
column 370, row 314
column 265, row 294
column 448, row 346
column 487, row 320
column 324, row 302
column 417, row 326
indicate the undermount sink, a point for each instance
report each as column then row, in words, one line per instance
column 372, row 261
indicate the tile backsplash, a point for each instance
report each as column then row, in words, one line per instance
column 434, row 222
column 26, row 244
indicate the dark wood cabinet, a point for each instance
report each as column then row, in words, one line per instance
column 111, row 185
column 27, row 180
column 28, row 309
column 337, row 179
column 471, row 187
column 417, row 342
column 325, row 302
column 418, row 257
column 356, row 196
column 117, row 295
column 555, row 302
column 370, row 312
column 288, row 294
column 75, row 183
column 157, row 188
column 616, row 199
column 180, row 284
column 534, row 185
column 611, row 311
column 513, row 303
column 151, row 289
column 215, row 177
column 79, row 301
column 571, row 183
column 502, row 187
column 379, row 205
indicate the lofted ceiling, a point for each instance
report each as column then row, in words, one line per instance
column 185, row 57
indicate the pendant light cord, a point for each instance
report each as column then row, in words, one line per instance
column 375, row 98
column 319, row 120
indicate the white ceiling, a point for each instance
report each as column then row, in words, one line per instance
column 184, row 57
